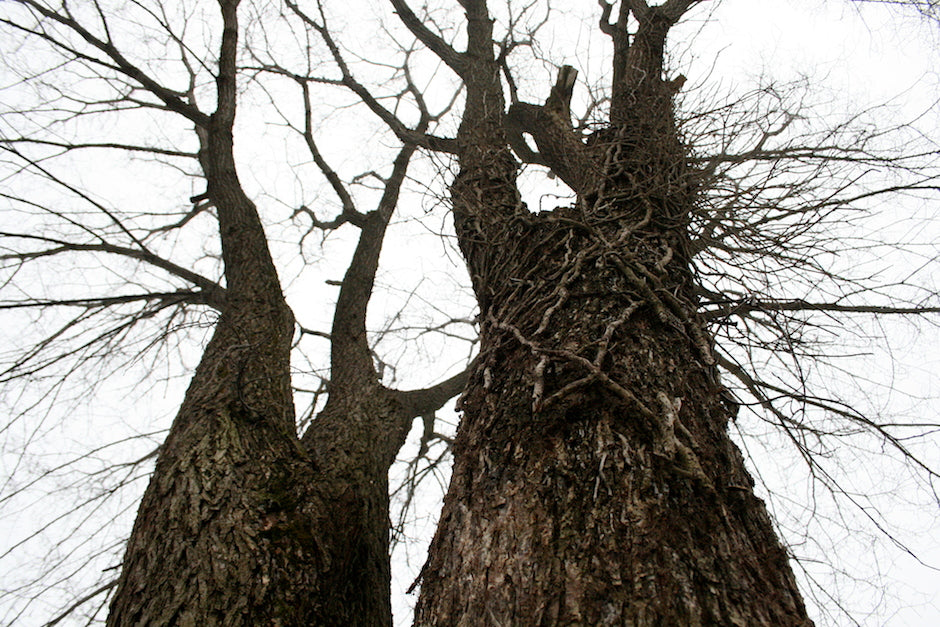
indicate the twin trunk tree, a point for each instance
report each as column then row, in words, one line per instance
column 244, row 523
column 594, row 481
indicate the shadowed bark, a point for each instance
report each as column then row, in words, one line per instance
column 244, row 523
column 594, row 480
column 356, row 437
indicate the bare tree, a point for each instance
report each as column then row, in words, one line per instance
column 243, row 520
column 594, row 479
column 691, row 278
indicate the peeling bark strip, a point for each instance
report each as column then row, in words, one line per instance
column 594, row 479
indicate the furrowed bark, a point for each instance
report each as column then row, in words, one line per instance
column 231, row 529
column 594, row 479
column 355, row 439
column 243, row 523
column 357, row 436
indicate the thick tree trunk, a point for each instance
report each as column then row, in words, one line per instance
column 233, row 528
column 594, row 479
column 243, row 523
column 228, row 532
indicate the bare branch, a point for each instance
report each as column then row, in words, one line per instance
column 170, row 98
column 747, row 305
column 404, row 133
column 438, row 46
column 428, row 400
column 212, row 292
column 69, row 146
column 166, row 298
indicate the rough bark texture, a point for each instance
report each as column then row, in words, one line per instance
column 594, row 480
column 230, row 531
column 227, row 533
column 356, row 437
column 243, row 523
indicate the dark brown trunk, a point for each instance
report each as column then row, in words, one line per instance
column 354, row 441
column 594, row 479
column 233, row 528
column 228, row 532
column 356, row 437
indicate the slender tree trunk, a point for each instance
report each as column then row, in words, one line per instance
column 594, row 479
column 357, row 436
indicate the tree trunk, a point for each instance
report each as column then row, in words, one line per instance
column 228, row 532
column 234, row 528
column 594, row 479
column 231, row 529
column 243, row 523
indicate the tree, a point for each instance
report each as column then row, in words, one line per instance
column 243, row 522
column 594, row 422
column 594, row 481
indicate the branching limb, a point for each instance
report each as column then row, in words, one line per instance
column 747, row 305
column 428, row 400
column 172, row 99
column 401, row 130
column 212, row 293
column 454, row 60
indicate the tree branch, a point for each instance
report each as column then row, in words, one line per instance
column 213, row 293
column 351, row 356
column 453, row 59
column 169, row 97
column 430, row 399
column 747, row 305
column 68, row 146
column 405, row 134
column 179, row 296
column 78, row 603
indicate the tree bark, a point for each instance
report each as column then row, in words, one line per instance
column 594, row 479
column 244, row 523
column 231, row 530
